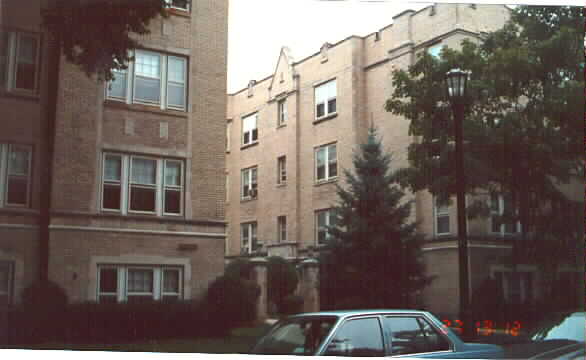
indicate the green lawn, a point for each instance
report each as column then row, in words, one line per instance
column 239, row 341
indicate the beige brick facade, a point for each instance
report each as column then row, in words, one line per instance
column 362, row 68
column 83, row 236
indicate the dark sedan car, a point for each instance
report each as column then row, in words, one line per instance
column 560, row 336
column 400, row 333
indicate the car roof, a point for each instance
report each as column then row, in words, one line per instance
column 349, row 313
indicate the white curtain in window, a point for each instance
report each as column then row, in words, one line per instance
column 113, row 168
column 172, row 173
column 27, row 50
column 144, row 171
column 325, row 91
column 148, row 64
column 171, row 281
column 19, row 162
column 140, row 280
column 249, row 123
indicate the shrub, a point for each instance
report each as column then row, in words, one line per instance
column 44, row 294
column 282, row 280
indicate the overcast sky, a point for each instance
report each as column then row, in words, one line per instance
column 259, row 28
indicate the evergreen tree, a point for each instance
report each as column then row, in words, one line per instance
column 522, row 127
column 373, row 256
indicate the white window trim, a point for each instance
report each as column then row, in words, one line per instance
column 5, row 150
column 282, row 228
column 179, row 188
column 11, row 62
column 501, row 209
column 327, row 112
column 328, row 218
column 160, row 186
column 248, row 174
column 187, row 8
column 520, row 269
column 10, row 285
column 437, row 214
column 130, row 94
column 251, row 131
column 282, row 112
column 250, row 225
column 157, row 294
column 327, row 176
column 282, row 170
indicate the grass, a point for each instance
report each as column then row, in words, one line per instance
column 239, row 341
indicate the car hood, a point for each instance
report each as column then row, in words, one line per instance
column 482, row 351
column 531, row 349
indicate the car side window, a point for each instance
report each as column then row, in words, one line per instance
column 411, row 335
column 359, row 337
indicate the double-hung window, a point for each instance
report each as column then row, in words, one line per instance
column 249, row 183
column 6, row 277
column 179, row 4
column 19, row 61
column 326, row 163
column 15, row 175
column 139, row 283
column 250, row 129
column 282, row 170
column 325, row 99
column 152, row 78
column 282, row 112
column 442, row 218
column 323, row 220
column 249, row 240
column 282, row 228
column 499, row 205
column 142, row 185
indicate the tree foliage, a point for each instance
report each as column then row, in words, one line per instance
column 282, row 280
column 373, row 257
column 97, row 34
column 522, row 127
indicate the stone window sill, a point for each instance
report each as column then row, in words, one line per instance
column 143, row 108
column 328, row 181
column 325, row 118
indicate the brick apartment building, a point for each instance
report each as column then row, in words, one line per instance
column 137, row 186
column 290, row 135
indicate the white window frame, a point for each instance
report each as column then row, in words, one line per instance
column 5, row 151
column 329, row 213
column 282, row 170
column 325, row 100
column 247, row 181
column 130, row 95
column 251, row 131
column 252, row 228
column 228, row 132
column 122, row 270
column 172, row 6
column 282, row 228
column 14, row 39
column 522, row 286
column 282, row 112
column 159, row 186
column 327, row 149
column 441, row 212
column 500, row 211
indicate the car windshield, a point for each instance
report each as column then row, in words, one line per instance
column 569, row 327
column 296, row 336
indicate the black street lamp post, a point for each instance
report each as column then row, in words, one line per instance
column 456, row 80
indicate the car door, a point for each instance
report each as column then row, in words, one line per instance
column 357, row 337
column 414, row 336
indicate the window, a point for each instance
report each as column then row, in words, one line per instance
column 442, row 218
column 144, row 185
column 179, row 4
column 15, row 175
column 153, row 79
column 139, row 283
column 360, row 337
column 6, row 277
column 325, row 99
column 323, row 220
column 249, row 183
column 249, row 129
column 500, row 205
column 282, row 228
column 19, row 61
column 249, row 240
column 326, row 163
column 282, row 112
column 435, row 50
column 282, row 170
column 517, row 286
column 411, row 335
column 228, row 131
